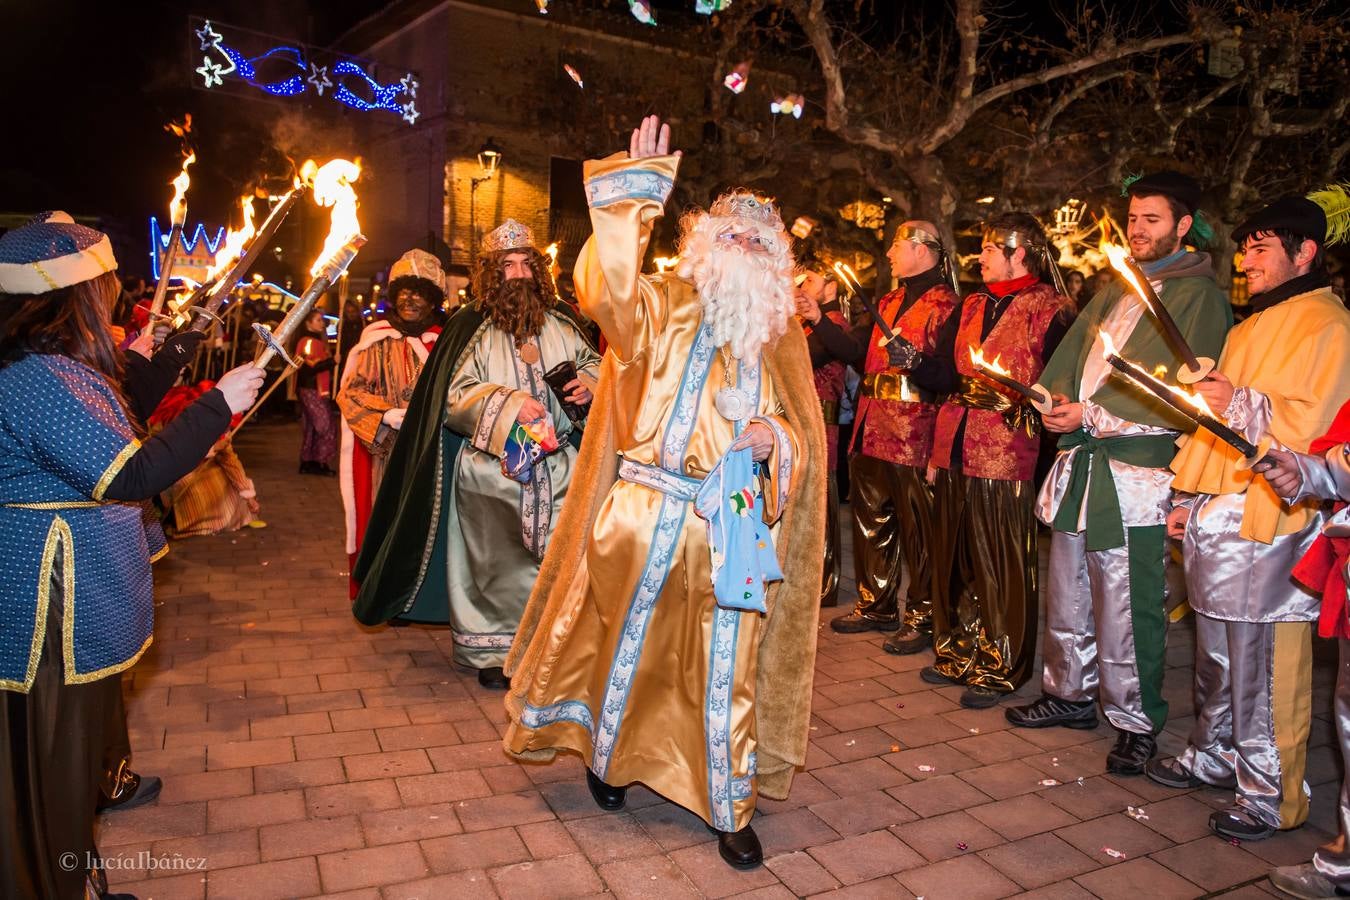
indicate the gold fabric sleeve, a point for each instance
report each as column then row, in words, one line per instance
column 626, row 197
column 363, row 398
column 1296, row 354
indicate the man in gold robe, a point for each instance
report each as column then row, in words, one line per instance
column 625, row 656
column 486, row 529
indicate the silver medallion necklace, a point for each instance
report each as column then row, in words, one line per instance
column 731, row 402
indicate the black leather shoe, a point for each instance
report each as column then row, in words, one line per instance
column 740, row 849
column 907, row 640
column 855, row 623
column 1131, row 753
column 130, row 791
column 1236, row 822
column 934, row 675
column 494, row 678
column 607, row 796
column 1051, row 710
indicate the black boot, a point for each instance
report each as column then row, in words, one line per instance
column 128, row 791
column 607, row 796
column 1131, row 753
column 908, row 640
column 494, row 678
column 740, row 849
column 856, row 622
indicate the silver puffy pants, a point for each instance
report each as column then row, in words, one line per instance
column 1253, row 696
column 1092, row 611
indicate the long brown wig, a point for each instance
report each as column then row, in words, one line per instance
column 517, row 306
column 70, row 321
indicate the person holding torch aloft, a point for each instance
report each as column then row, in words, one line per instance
column 1284, row 373
column 75, row 584
column 1106, row 496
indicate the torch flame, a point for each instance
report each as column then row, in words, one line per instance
column 178, row 205
column 332, row 185
column 1118, row 256
column 996, row 366
column 235, row 241
column 1195, row 401
column 847, row 276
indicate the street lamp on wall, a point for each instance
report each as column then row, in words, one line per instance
column 489, row 158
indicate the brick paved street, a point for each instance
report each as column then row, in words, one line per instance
column 303, row 754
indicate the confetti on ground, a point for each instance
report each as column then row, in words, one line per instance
column 850, row 743
column 1047, row 782
column 973, row 730
column 927, row 768
column 1054, row 761
column 264, row 562
column 895, row 748
column 1136, row 812
column 899, row 706
column 1113, row 853
column 962, row 845
column 1080, row 780
column 1235, row 842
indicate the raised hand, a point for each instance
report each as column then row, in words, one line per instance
column 651, row 138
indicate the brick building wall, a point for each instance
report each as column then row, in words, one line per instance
column 493, row 69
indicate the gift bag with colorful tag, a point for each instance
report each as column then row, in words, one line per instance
column 743, row 558
column 525, row 446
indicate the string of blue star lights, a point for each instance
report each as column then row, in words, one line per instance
column 347, row 80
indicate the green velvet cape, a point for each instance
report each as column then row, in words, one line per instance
column 401, row 565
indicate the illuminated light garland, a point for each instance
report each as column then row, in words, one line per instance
column 318, row 77
column 188, row 243
column 398, row 97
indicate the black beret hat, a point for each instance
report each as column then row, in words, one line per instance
column 1293, row 213
column 1182, row 188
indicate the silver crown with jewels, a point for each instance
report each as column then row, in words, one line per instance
column 743, row 204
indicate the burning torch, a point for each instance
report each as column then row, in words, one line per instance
column 177, row 216
column 332, row 186
column 207, row 302
column 1191, row 406
column 1037, row 396
column 1195, row 368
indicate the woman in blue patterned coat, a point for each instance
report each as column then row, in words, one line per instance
column 75, row 584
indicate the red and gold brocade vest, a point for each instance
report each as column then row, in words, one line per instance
column 991, row 448
column 896, row 430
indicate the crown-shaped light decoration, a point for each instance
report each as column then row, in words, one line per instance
column 1068, row 216
column 510, row 235
column 742, row 204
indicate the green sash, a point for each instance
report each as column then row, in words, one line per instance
column 1090, row 473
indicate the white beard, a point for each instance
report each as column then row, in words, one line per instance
column 746, row 296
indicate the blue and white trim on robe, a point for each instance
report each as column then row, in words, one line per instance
column 629, row 184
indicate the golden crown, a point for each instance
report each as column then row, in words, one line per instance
column 510, row 235
column 743, row 204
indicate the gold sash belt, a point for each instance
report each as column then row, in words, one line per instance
column 979, row 393
column 55, row 504
column 889, row 386
column 830, row 409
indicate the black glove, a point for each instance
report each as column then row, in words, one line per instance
column 902, row 354
column 179, row 350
